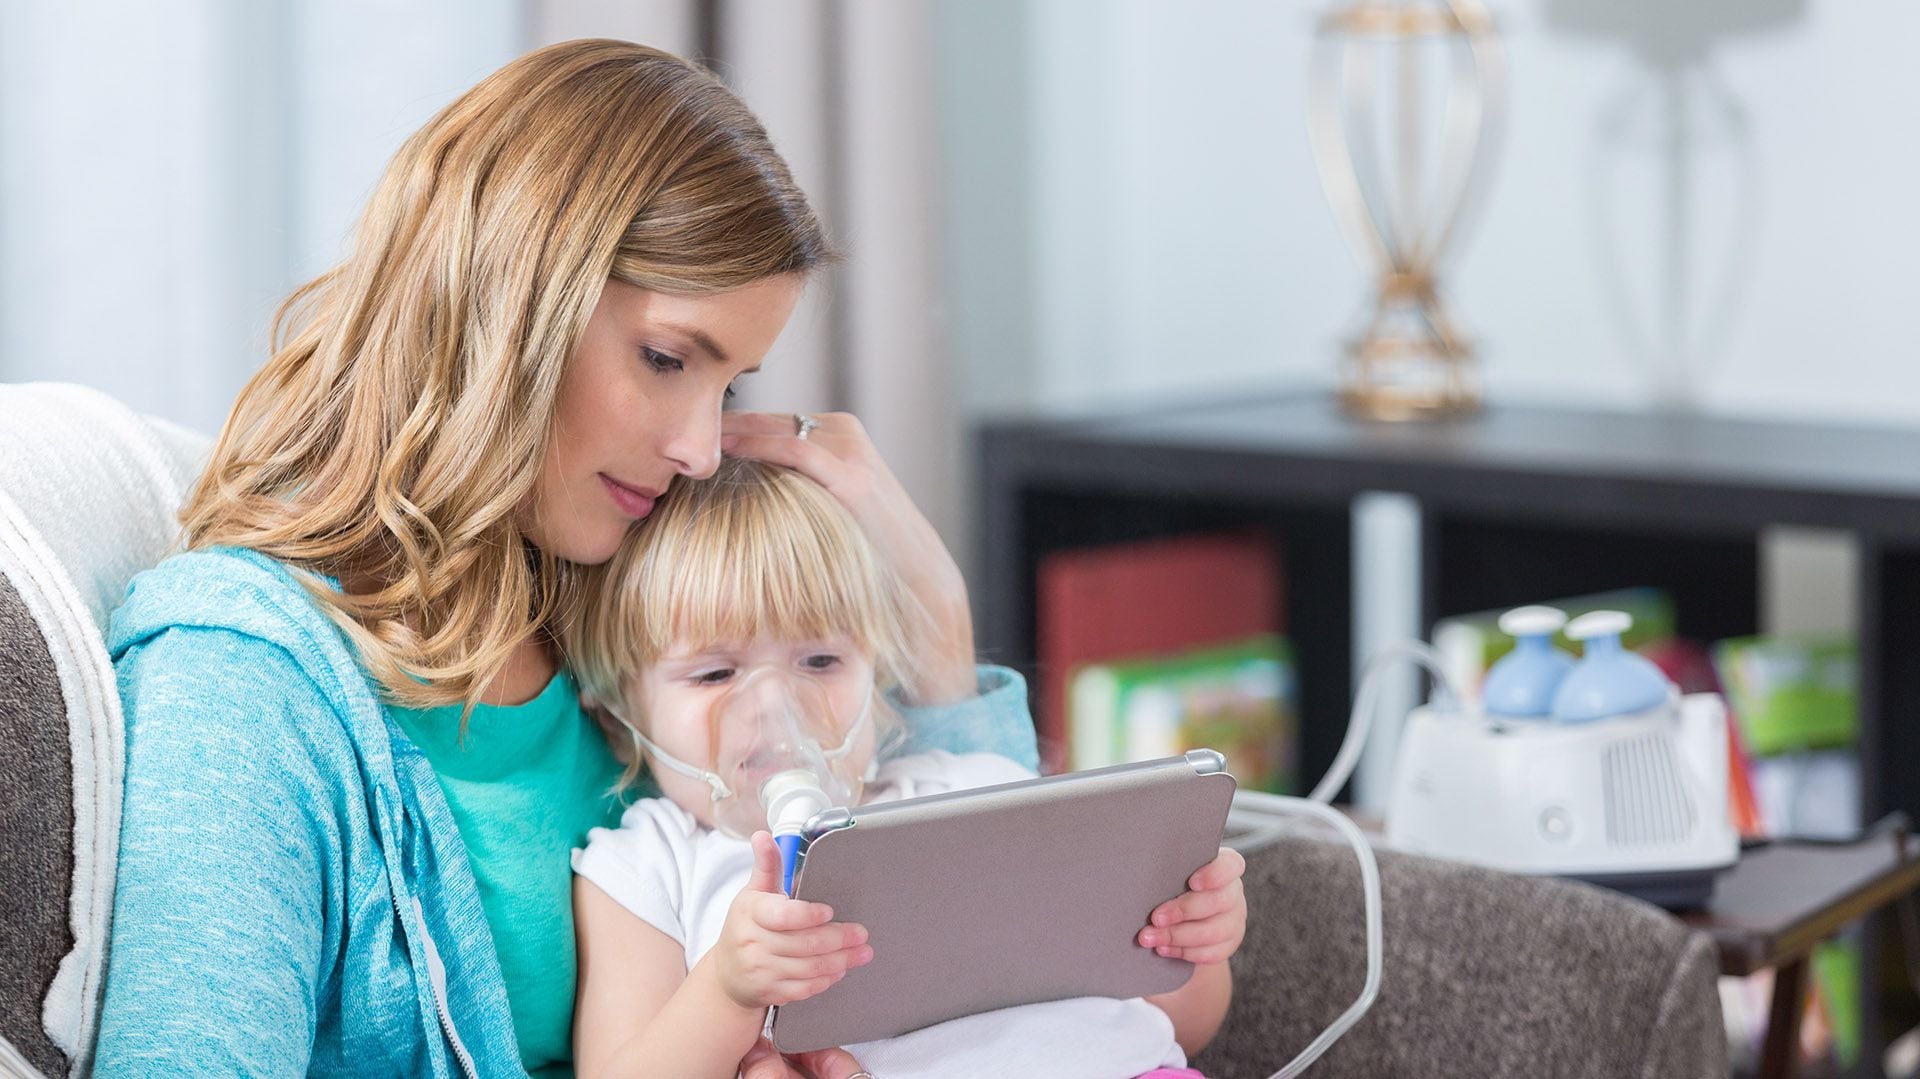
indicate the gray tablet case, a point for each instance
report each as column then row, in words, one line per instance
column 1006, row 895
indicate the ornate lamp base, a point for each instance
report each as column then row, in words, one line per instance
column 1367, row 392
column 1411, row 363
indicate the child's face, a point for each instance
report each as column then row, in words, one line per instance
column 676, row 695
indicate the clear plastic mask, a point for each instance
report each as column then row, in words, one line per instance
column 772, row 724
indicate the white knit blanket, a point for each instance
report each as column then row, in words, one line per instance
column 89, row 490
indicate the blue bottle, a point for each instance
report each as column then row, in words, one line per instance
column 1608, row 680
column 1521, row 685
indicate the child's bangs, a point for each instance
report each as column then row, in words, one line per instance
column 764, row 566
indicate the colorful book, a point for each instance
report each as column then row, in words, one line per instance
column 1156, row 597
column 1794, row 705
column 1836, row 997
column 1239, row 699
column 1743, row 801
column 1792, row 693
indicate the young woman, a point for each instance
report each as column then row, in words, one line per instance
column 355, row 763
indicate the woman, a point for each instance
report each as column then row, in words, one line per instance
column 356, row 763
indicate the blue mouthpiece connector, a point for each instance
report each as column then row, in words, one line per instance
column 790, row 847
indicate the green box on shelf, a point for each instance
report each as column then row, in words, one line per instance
column 1792, row 693
column 1238, row 697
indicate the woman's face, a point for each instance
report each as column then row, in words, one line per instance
column 686, row 692
column 640, row 404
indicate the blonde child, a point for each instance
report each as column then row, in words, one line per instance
column 756, row 587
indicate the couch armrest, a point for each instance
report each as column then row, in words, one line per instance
column 36, row 834
column 1486, row 974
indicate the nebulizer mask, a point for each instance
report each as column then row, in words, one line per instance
column 777, row 755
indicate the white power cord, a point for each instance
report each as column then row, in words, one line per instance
column 1315, row 806
column 1360, row 723
column 1370, row 884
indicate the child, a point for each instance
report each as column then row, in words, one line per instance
column 747, row 613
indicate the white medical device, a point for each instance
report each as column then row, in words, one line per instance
column 1599, row 771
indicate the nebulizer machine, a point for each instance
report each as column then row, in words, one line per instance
column 1597, row 769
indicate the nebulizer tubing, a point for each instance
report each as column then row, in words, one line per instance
column 1370, row 885
column 1315, row 806
column 791, row 798
column 1360, row 723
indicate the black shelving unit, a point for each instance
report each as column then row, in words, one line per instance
column 1517, row 504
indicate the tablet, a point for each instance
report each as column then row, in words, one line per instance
column 1005, row 895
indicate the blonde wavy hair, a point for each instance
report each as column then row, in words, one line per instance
column 410, row 399
column 755, row 550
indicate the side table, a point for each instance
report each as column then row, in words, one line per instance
column 1786, row 896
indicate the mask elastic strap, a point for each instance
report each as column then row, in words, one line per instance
column 853, row 732
column 720, row 789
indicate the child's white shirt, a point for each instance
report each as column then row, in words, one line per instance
column 681, row 878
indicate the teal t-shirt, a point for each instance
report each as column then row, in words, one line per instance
column 525, row 783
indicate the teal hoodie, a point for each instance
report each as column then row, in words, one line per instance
column 293, row 894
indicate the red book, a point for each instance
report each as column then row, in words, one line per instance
column 1156, row 597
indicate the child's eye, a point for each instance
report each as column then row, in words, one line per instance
column 821, row 661
column 714, row 677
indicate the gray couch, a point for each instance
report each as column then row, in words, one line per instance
column 36, row 832
column 1486, row 975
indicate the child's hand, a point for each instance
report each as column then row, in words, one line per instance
column 763, row 1061
column 776, row 950
column 1205, row 924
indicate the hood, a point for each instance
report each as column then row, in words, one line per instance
column 250, row 594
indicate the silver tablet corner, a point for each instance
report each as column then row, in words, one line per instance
column 1206, row 762
column 827, row 820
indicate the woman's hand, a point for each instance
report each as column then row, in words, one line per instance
column 1206, row 923
column 775, row 950
column 839, row 456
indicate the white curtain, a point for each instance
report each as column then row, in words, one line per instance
column 169, row 172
